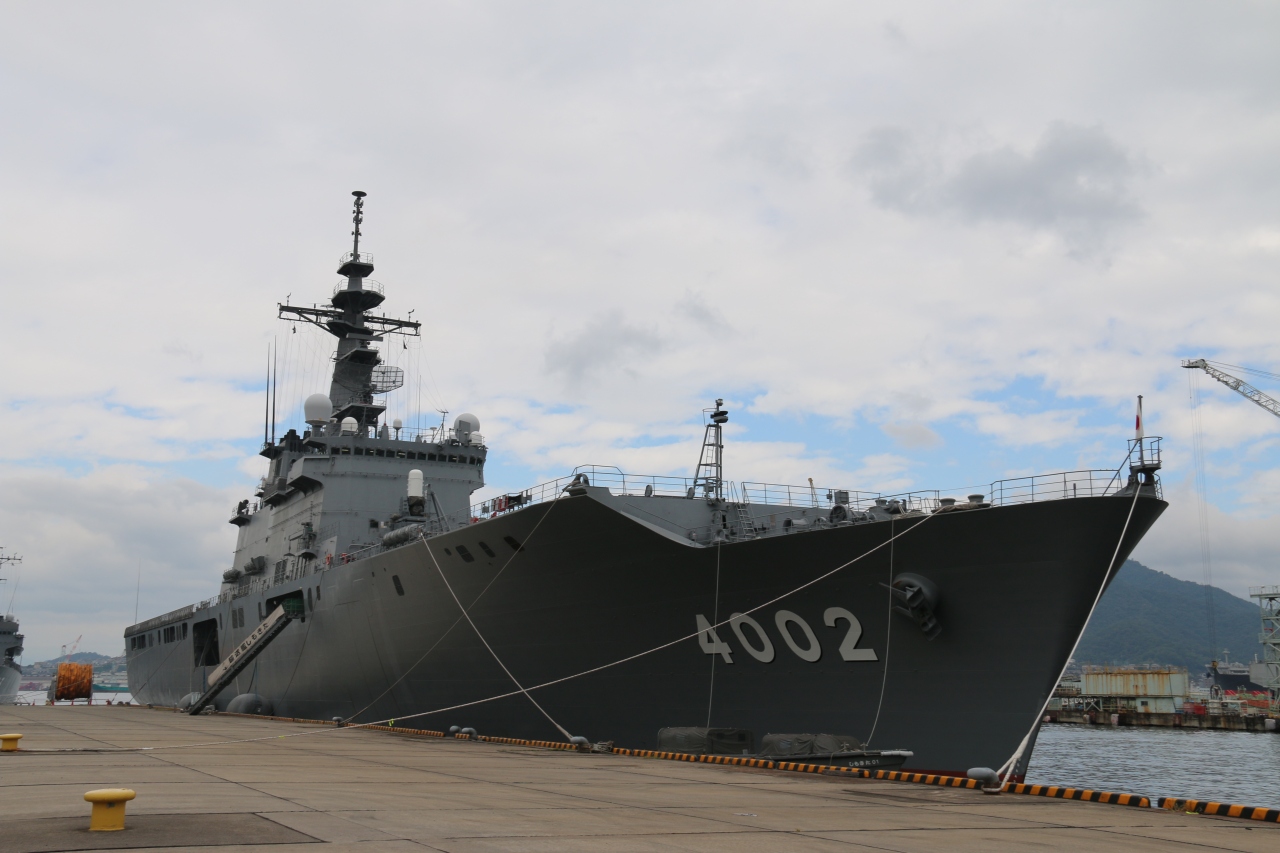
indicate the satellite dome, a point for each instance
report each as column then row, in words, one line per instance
column 349, row 426
column 317, row 409
column 466, row 423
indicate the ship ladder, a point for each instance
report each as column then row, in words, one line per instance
column 746, row 523
column 250, row 648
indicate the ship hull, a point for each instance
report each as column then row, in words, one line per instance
column 592, row 586
column 10, row 678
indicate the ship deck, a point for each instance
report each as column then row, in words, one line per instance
column 356, row 789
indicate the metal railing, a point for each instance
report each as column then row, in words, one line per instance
column 1007, row 492
column 365, row 284
column 362, row 258
column 1051, row 487
column 426, row 435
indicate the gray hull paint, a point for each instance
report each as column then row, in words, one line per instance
column 593, row 586
column 9, row 681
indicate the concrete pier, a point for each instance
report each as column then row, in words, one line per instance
column 1222, row 722
column 331, row 790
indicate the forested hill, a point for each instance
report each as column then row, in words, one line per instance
column 1149, row 617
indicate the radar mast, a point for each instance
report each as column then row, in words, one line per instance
column 358, row 371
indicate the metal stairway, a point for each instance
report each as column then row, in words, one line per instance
column 249, row 648
column 746, row 523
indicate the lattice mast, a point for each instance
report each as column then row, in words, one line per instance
column 708, row 479
column 8, row 558
column 1269, row 609
column 358, row 372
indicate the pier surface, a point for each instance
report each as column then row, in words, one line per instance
column 347, row 789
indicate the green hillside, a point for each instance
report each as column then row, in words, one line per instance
column 1149, row 617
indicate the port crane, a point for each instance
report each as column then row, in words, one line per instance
column 66, row 655
column 1268, row 596
column 1241, row 387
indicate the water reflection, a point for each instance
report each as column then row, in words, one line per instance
column 1231, row 767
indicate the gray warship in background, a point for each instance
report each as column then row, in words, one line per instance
column 10, row 646
column 362, row 545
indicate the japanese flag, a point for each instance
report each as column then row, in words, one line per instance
column 1137, row 423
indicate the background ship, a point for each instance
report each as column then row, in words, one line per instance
column 10, row 645
column 366, row 586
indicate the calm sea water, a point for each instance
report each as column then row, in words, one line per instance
column 1231, row 767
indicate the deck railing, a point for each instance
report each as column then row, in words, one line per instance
column 1144, row 455
column 1007, row 492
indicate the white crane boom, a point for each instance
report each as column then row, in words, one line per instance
column 1241, row 387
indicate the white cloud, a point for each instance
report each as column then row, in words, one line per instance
column 606, row 216
column 1242, row 548
column 911, row 435
column 84, row 539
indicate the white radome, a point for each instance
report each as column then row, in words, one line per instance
column 317, row 409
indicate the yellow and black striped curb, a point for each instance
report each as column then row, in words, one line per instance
column 800, row 767
column 515, row 741
column 1054, row 791
column 1221, row 809
column 1084, row 794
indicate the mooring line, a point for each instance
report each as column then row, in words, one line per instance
column 347, row 727
column 449, row 630
column 888, row 633
column 715, row 615
column 1006, row 769
column 470, row 622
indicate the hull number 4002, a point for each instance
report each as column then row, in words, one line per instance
column 794, row 631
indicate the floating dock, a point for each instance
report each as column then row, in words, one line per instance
column 266, row 782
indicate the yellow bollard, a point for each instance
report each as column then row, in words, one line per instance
column 9, row 743
column 108, row 808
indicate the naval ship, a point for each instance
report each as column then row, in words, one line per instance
column 367, row 585
column 10, row 647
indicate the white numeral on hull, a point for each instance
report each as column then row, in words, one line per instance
column 795, row 633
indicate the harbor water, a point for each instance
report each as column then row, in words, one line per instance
column 37, row 697
column 1223, row 766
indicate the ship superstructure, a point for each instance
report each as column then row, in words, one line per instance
column 368, row 585
column 10, row 640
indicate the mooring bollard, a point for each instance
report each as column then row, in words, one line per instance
column 108, row 808
column 9, row 743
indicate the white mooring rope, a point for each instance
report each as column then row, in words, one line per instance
column 523, row 690
column 1006, row 769
column 514, row 680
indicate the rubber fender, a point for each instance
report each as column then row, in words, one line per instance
column 186, row 701
column 249, row 703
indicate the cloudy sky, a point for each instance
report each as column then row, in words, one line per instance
column 912, row 246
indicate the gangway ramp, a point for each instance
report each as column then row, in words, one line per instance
column 277, row 620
